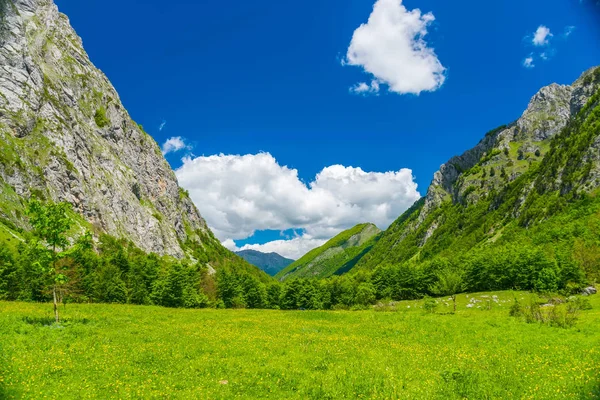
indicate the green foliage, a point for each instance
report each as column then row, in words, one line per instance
column 555, row 312
column 50, row 223
column 489, row 156
column 239, row 290
column 8, row 275
column 547, row 280
column 510, row 236
column 365, row 294
column 335, row 257
column 430, row 305
column 101, row 118
column 449, row 282
column 108, row 285
column 49, row 264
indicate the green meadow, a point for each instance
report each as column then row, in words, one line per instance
column 133, row 352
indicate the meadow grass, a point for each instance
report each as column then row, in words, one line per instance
column 117, row 351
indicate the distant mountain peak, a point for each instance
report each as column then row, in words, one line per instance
column 271, row 263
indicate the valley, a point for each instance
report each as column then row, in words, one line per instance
column 119, row 351
column 114, row 285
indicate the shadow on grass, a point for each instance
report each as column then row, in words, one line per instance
column 5, row 393
column 591, row 392
column 49, row 321
column 350, row 264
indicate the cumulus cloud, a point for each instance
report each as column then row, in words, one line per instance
column 239, row 194
column 542, row 36
column 543, row 44
column 292, row 248
column 174, row 144
column 365, row 88
column 528, row 62
column 391, row 47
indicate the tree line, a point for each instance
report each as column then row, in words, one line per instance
column 47, row 266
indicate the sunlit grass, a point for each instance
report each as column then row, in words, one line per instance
column 112, row 351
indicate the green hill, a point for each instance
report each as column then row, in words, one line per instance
column 532, row 184
column 335, row 257
column 271, row 263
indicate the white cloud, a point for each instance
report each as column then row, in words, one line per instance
column 364, row 88
column 391, row 47
column 542, row 36
column 238, row 195
column 174, row 144
column 528, row 62
column 162, row 125
column 541, row 39
column 568, row 31
column 292, row 248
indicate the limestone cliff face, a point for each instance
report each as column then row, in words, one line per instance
column 65, row 136
column 510, row 147
column 553, row 149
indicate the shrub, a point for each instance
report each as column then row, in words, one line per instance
column 556, row 315
column 547, row 281
column 578, row 303
column 430, row 305
column 365, row 294
column 516, row 310
column 101, row 118
column 572, row 288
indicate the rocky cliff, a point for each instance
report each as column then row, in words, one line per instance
column 65, row 136
column 512, row 146
column 518, row 175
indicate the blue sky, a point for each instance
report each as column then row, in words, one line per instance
column 268, row 76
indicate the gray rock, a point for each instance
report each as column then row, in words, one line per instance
column 547, row 114
column 588, row 291
column 50, row 93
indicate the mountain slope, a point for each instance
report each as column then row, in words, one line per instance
column 335, row 257
column 66, row 137
column 528, row 174
column 271, row 263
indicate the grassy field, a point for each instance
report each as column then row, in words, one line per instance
column 112, row 351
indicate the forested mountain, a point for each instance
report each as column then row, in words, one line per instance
column 519, row 210
column 65, row 137
column 530, row 184
column 271, row 263
column 337, row 256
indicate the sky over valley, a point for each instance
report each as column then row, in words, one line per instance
column 288, row 122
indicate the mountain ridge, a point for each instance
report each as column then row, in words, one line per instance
column 337, row 256
column 498, row 167
column 67, row 137
column 271, row 263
